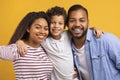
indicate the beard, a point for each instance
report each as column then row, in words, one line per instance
column 78, row 29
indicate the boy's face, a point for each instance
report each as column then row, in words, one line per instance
column 57, row 26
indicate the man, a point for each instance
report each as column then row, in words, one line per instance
column 99, row 58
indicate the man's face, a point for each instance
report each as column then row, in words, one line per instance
column 78, row 23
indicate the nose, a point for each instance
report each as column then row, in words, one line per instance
column 42, row 30
column 77, row 23
column 56, row 25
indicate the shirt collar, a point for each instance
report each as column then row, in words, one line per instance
column 88, row 38
column 55, row 41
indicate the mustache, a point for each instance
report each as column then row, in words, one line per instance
column 78, row 27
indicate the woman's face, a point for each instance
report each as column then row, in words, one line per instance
column 38, row 31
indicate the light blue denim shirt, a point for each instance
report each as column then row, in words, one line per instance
column 103, row 56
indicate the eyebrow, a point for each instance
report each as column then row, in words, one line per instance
column 37, row 24
column 41, row 25
column 79, row 18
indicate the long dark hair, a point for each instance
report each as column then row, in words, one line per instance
column 26, row 22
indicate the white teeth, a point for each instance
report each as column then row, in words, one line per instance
column 56, row 30
column 77, row 30
column 41, row 36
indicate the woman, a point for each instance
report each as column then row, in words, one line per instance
column 35, row 65
column 56, row 44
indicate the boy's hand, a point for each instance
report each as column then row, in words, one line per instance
column 97, row 32
column 75, row 75
column 22, row 49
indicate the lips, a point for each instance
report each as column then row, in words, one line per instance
column 41, row 36
column 77, row 30
column 56, row 30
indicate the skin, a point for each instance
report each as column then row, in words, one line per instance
column 58, row 21
column 79, row 21
column 78, row 25
column 57, row 26
column 37, row 33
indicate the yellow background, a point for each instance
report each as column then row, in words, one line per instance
column 104, row 14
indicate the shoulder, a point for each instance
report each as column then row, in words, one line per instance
column 13, row 45
column 105, row 38
column 10, row 46
column 109, row 37
column 65, row 33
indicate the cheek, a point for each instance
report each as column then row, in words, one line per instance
column 69, row 26
column 47, row 32
column 86, row 25
column 31, row 34
column 62, row 27
column 50, row 29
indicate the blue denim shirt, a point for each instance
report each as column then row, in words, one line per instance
column 103, row 56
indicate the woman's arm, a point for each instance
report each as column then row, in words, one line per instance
column 8, row 52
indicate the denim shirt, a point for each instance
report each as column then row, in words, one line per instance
column 103, row 56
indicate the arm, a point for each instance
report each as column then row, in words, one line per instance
column 75, row 75
column 97, row 32
column 8, row 52
column 22, row 49
column 114, row 50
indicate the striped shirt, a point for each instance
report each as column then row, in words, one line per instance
column 35, row 65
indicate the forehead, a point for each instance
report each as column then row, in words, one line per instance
column 78, row 14
column 57, row 17
column 41, row 21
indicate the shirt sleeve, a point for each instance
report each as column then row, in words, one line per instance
column 9, row 52
column 114, row 50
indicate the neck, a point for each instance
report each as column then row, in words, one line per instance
column 56, row 37
column 79, row 42
column 33, row 44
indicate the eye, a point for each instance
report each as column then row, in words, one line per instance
column 37, row 27
column 52, row 22
column 82, row 20
column 46, row 28
column 61, row 23
column 71, row 20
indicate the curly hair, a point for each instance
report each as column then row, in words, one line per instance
column 59, row 11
